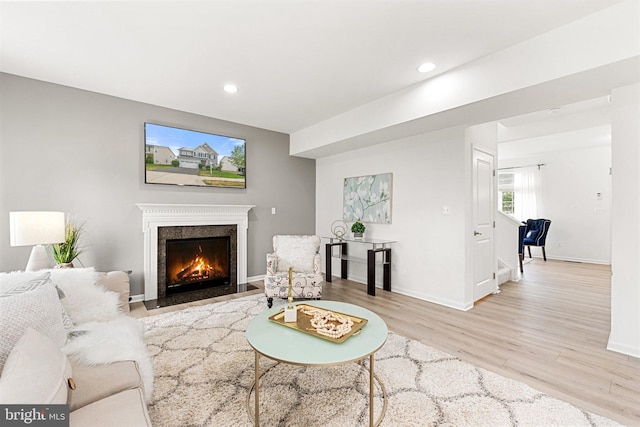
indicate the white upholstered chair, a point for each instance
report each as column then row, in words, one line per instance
column 301, row 253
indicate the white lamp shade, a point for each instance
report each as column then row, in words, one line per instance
column 36, row 228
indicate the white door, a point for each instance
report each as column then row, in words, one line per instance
column 484, row 207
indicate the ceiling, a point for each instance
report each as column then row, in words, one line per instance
column 296, row 62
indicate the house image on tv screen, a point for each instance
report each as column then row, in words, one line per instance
column 226, row 165
column 192, row 158
column 160, row 155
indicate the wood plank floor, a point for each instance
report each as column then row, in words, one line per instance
column 549, row 330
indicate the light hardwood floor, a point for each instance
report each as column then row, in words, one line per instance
column 549, row 330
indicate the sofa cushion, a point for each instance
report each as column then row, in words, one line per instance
column 37, row 307
column 107, row 342
column 126, row 408
column 295, row 251
column 35, row 372
column 99, row 381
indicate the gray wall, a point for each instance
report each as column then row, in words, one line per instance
column 82, row 153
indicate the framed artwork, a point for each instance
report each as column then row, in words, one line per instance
column 368, row 198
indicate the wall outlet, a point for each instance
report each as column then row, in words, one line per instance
column 446, row 210
column 273, row 211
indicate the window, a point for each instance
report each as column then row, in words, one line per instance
column 517, row 191
column 506, row 192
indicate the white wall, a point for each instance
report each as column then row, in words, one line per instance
column 625, row 266
column 569, row 181
column 429, row 171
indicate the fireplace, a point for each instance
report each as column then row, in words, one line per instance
column 196, row 257
column 197, row 263
column 162, row 222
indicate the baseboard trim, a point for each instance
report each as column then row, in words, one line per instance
column 255, row 278
column 570, row 259
column 136, row 298
column 623, row 348
column 436, row 300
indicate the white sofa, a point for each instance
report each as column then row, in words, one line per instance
column 72, row 323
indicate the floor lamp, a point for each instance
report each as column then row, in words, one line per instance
column 36, row 228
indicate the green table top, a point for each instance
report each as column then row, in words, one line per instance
column 288, row 345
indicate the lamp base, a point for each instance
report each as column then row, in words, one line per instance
column 38, row 260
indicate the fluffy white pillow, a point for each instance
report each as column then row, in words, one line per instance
column 37, row 308
column 36, row 372
column 85, row 299
column 295, row 251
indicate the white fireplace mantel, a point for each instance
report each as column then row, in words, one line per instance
column 156, row 215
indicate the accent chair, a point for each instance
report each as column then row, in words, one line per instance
column 536, row 234
column 301, row 253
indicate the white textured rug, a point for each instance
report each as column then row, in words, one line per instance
column 204, row 369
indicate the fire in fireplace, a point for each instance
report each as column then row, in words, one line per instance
column 197, row 263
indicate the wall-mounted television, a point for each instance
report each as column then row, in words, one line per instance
column 176, row 156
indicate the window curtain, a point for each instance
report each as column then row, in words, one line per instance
column 525, row 183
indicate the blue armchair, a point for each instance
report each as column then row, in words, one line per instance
column 535, row 234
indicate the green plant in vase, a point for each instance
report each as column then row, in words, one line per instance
column 357, row 229
column 64, row 253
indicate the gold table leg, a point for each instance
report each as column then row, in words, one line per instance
column 371, row 390
column 372, row 379
column 257, row 391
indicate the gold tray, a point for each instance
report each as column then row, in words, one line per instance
column 303, row 323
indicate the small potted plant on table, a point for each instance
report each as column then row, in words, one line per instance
column 357, row 229
column 64, row 253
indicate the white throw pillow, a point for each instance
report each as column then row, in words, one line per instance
column 17, row 282
column 85, row 299
column 36, row 372
column 295, row 251
column 38, row 308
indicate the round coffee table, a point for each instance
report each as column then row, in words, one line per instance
column 287, row 345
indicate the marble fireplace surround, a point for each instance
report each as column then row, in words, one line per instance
column 156, row 215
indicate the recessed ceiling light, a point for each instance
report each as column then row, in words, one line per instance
column 426, row 67
column 230, row 88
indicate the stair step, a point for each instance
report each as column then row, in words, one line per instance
column 504, row 275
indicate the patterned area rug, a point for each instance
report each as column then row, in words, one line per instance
column 204, row 371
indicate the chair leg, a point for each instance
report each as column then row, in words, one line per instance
column 269, row 302
column 520, row 256
column 529, row 249
column 544, row 254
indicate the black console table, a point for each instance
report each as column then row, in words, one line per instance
column 377, row 246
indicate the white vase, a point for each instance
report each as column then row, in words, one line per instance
column 64, row 265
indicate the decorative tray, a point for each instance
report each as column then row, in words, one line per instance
column 303, row 322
